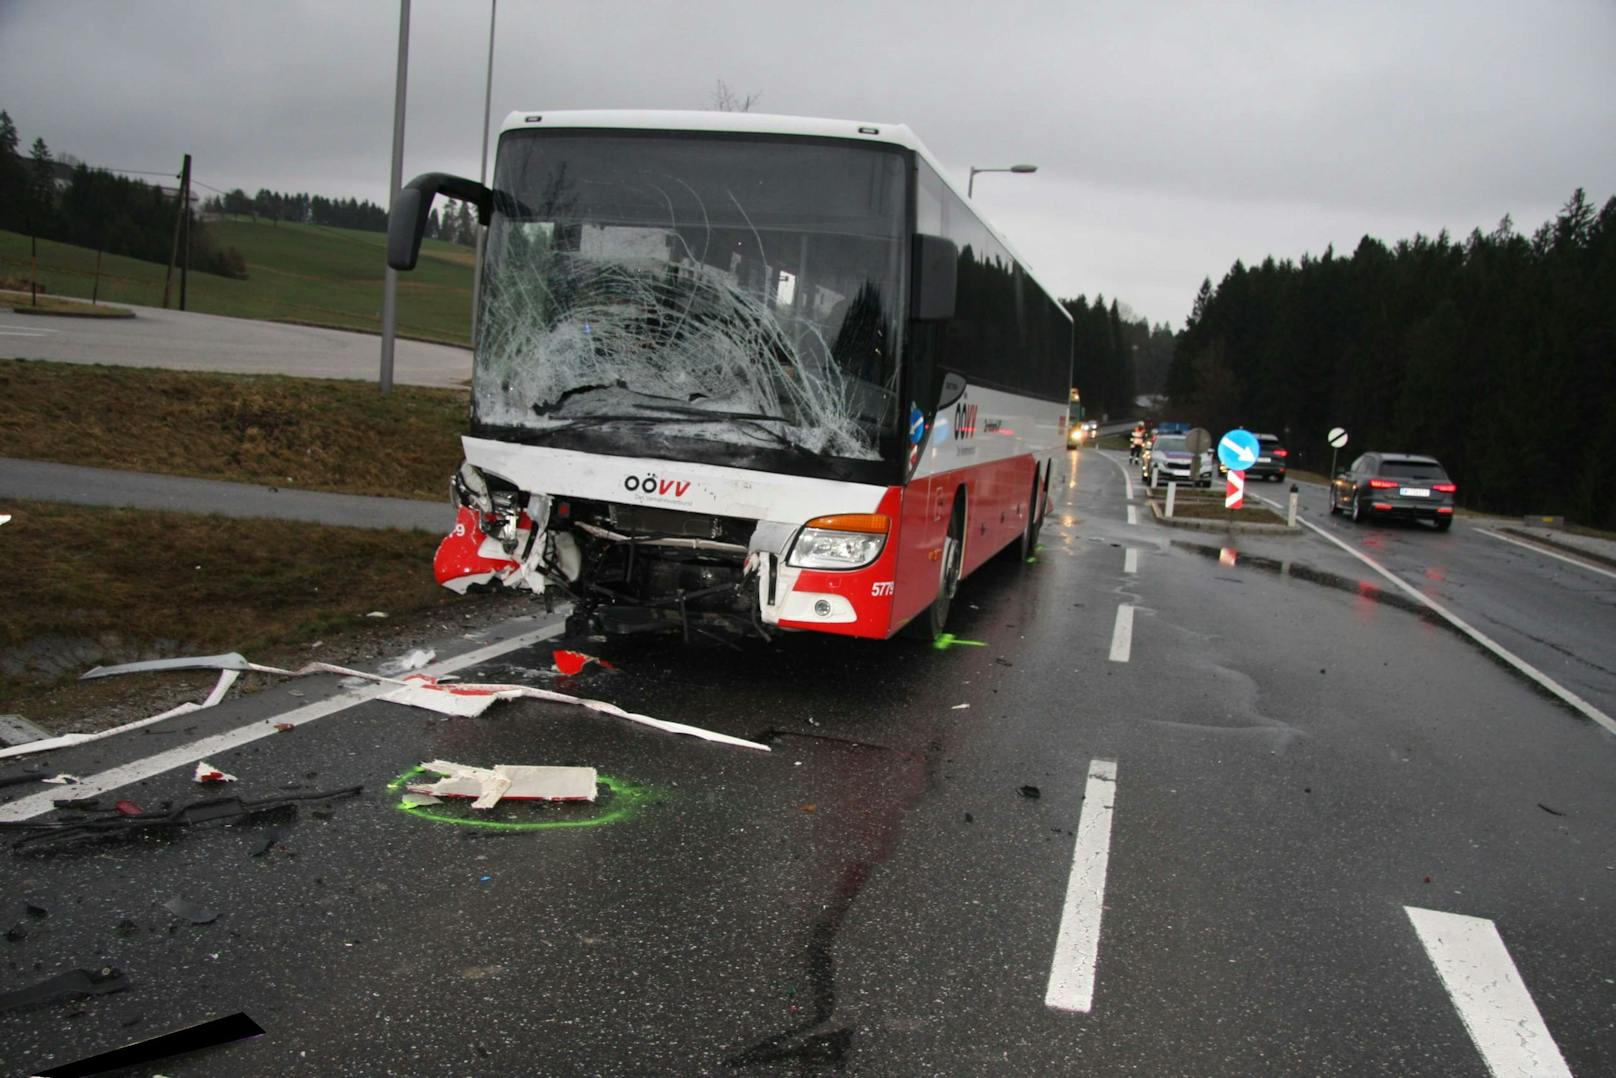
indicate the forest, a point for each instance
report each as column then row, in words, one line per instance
column 1497, row 355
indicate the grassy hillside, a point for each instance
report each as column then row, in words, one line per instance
column 296, row 273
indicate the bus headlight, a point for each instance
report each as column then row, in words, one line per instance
column 843, row 541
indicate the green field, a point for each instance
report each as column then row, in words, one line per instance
column 296, row 273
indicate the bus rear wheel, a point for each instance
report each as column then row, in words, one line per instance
column 1027, row 545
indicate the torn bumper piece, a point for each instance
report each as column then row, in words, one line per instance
column 509, row 782
column 467, row 700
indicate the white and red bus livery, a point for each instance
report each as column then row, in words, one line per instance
column 756, row 372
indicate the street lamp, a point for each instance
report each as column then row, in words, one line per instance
column 971, row 186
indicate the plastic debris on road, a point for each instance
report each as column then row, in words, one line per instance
column 405, row 663
column 184, row 908
column 69, row 985
column 571, row 663
column 94, row 821
column 469, row 700
column 511, row 782
column 209, row 1034
column 206, row 772
column 62, row 779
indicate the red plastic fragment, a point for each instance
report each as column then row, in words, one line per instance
column 128, row 808
column 284, row 727
column 571, row 663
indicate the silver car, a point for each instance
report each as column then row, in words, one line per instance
column 1168, row 460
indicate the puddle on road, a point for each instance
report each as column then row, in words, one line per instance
column 1231, row 558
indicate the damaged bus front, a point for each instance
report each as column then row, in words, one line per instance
column 687, row 407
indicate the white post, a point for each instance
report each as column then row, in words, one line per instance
column 1172, row 495
column 390, row 277
column 482, row 176
column 1295, row 497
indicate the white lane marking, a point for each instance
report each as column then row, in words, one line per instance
column 1077, row 947
column 1534, row 548
column 1130, row 560
column 113, row 778
column 1133, row 514
column 1489, row 994
column 1122, row 634
column 1471, row 631
column 8, row 332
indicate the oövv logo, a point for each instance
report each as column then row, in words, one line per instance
column 652, row 484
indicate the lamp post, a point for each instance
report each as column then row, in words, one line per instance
column 970, row 187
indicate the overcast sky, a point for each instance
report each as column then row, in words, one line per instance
column 1170, row 139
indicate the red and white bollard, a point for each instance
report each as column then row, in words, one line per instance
column 1236, row 494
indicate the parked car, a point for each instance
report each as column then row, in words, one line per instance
column 1272, row 460
column 1167, row 459
column 1383, row 486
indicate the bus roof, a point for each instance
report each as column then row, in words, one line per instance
column 892, row 134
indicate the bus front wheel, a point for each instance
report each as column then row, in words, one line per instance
column 928, row 625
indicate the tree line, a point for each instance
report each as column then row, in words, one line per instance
column 1117, row 356
column 1497, row 355
column 453, row 225
column 72, row 203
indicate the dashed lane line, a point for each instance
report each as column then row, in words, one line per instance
column 1133, row 514
column 113, row 778
column 1487, row 991
column 1130, row 560
column 1520, row 664
column 1534, row 548
column 1077, row 947
column 1122, row 634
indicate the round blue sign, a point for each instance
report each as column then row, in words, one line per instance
column 1238, row 450
column 917, row 425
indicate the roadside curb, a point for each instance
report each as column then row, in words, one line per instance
column 121, row 313
column 1232, row 528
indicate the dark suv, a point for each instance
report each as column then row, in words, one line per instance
column 1272, row 459
column 1383, row 486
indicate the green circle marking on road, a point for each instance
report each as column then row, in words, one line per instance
column 623, row 799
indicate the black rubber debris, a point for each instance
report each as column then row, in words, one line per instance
column 210, row 1034
column 110, row 821
column 70, row 985
column 1550, row 811
column 1031, row 792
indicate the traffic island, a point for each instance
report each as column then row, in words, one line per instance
column 1203, row 510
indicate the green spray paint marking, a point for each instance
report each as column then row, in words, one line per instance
column 625, row 799
column 945, row 641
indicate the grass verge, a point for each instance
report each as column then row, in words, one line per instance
column 23, row 303
column 86, row 586
column 314, row 434
column 1204, row 505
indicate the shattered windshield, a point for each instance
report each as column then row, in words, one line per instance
column 682, row 295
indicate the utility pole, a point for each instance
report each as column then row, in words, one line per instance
column 179, row 221
column 185, row 241
column 390, row 278
column 482, row 176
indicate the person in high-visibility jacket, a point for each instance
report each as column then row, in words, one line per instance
column 1136, row 443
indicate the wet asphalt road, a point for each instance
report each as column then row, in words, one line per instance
column 187, row 341
column 1298, row 758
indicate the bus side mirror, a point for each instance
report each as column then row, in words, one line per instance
column 934, row 278
column 406, row 220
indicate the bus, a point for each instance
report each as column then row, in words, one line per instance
column 743, row 372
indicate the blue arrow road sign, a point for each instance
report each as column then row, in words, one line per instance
column 1238, row 450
